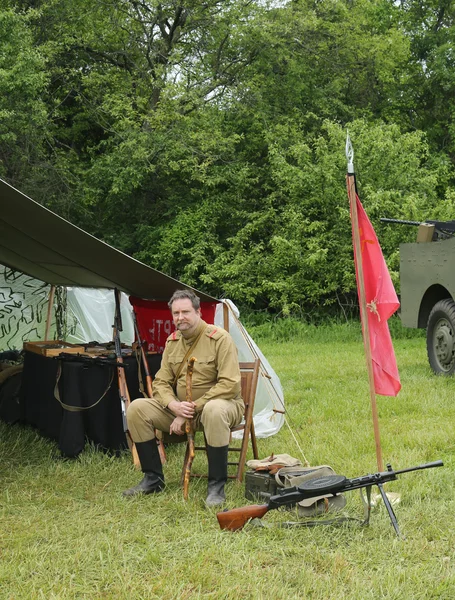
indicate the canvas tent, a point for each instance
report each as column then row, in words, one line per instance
column 49, row 250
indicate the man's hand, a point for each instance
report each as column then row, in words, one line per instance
column 178, row 426
column 182, row 409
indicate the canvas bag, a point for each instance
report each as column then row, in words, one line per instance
column 288, row 477
column 273, row 463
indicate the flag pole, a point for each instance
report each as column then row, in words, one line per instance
column 351, row 188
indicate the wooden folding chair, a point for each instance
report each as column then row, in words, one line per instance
column 250, row 373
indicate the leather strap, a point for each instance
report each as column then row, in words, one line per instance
column 70, row 408
column 185, row 358
column 137, row 353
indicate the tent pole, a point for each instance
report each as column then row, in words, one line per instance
column 226, row 316
column 49, row 311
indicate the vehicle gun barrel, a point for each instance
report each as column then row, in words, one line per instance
column 401, row 221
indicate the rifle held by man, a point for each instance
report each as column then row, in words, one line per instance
column 322, row 486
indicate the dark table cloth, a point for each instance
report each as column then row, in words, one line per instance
column 81, row 384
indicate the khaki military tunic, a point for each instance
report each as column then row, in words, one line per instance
column 215, row 387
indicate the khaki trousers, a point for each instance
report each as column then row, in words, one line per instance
column 144, row 415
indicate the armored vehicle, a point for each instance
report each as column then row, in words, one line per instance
column 427, row 281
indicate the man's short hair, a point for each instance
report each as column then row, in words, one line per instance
column 181, row 295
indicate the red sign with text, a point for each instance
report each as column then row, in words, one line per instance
column 154, row 321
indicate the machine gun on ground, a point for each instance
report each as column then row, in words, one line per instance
column 332, row 484
column 442, row 229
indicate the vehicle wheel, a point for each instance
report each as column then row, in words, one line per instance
column 441, row 337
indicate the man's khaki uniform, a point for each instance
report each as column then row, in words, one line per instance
column 215, row 387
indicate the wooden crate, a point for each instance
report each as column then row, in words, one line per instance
column 52, row 347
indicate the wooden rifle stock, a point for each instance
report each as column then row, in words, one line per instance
column 148, row 380
column 148, row 377
column 238, row 517
column 125, row 397
column 122, row 385
column 189, row 429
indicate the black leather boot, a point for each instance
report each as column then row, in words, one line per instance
column 218, row 465
column 153, row 480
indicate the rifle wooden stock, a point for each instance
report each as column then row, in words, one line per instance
column 189, row 429
column 148, row 377
column 238, row 517
column 148, row 380
column 124, row 394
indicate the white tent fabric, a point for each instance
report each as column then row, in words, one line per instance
column 269, row 403
column 92, row 311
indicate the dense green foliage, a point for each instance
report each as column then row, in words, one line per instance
column 207, row 139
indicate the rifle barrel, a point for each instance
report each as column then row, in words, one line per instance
column 401, row 221
column 436, row 463
column 118, row 312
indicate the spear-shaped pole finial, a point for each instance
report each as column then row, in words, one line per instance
column 349, row 155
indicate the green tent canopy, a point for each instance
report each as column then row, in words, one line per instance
column 39, row 243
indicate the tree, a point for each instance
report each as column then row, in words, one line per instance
column 295, row 254
column 23, row 112
column 125, row 79
column 428, row 97
column 207, row 138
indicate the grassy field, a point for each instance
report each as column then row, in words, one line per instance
column 66, row 532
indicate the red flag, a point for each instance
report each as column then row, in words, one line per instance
column 382, row 302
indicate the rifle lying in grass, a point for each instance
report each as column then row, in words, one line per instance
column 322, row 486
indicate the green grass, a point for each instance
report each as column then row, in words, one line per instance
column 66, row 532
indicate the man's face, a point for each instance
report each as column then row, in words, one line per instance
column 186, row 318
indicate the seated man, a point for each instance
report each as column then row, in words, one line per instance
column 216, row 404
